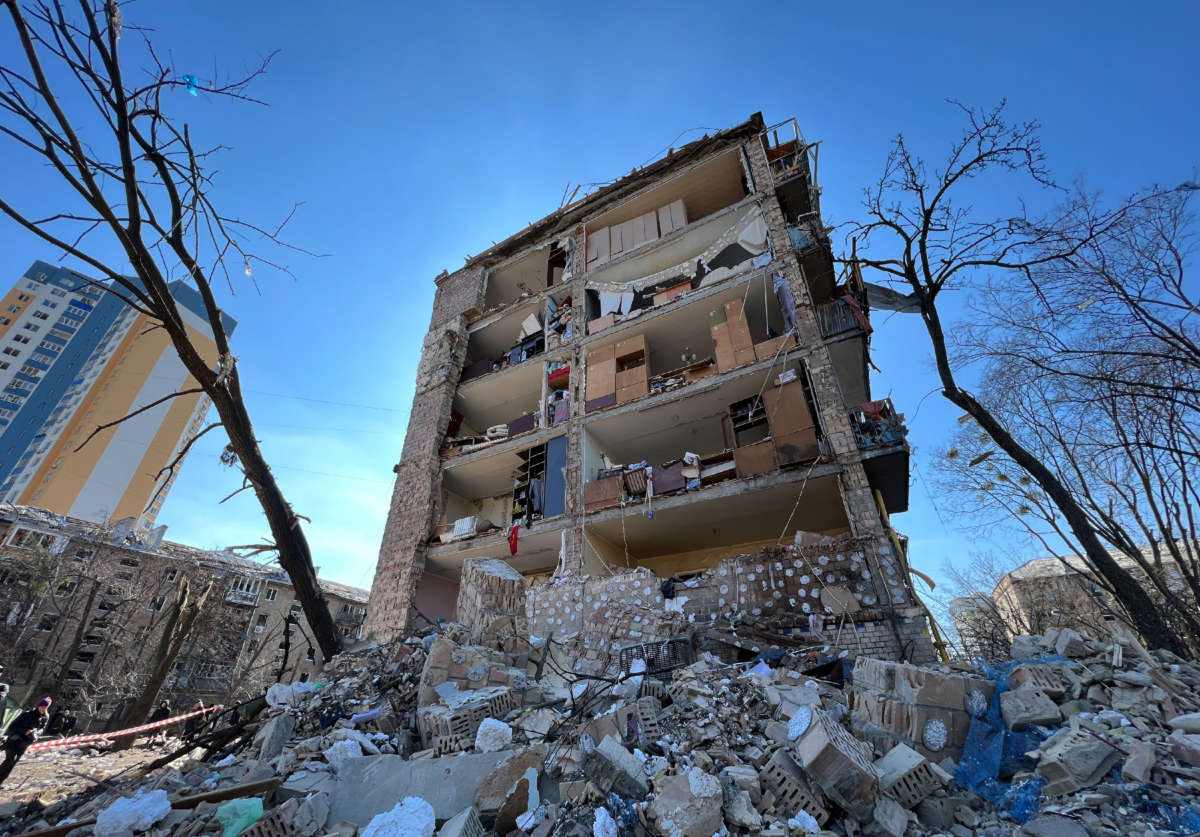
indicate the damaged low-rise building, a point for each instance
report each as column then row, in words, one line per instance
column 83, row 609
column 654, row 406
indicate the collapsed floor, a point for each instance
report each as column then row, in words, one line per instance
column 501, row 735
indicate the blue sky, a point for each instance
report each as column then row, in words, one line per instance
column 418, row 134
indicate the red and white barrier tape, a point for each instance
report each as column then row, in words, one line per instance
column 78, row 740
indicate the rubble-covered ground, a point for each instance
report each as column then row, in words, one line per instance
column 1076, row 737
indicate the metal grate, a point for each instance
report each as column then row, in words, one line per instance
column 660, row 657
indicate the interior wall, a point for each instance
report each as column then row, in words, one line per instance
column 436, row 597
column 703, row 559
column 456, row 506
column 591, row 458
column 599, row 555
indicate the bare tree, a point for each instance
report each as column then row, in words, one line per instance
column 1099, row 385
column 138, row 177
column 924, row 236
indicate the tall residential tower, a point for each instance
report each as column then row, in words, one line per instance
column 668, row 375
column 74, row 356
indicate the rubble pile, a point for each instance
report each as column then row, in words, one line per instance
column 456, row 733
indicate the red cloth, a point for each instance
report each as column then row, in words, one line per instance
column 512, row 539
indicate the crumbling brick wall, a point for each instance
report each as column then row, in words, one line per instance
column 417, row 492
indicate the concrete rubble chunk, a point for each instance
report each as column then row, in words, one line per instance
column 938, row 811
column 492, row 735
column 889, row 817
column 1140, row 762
column 613, row 768
column 1025, row 647
column 1189, row 723
column 1052, row 825
column 411, row 817
column 272, row 735
column 1071, row 644
column 129, row 814
column 1185, row 747
column 494, row 789
column 688, row 804
column 1022, row 708
column 1073, row 759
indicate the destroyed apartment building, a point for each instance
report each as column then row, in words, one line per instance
column 653, row 405
column 83, row 608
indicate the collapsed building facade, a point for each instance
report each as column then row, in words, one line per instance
column 83, row 609
column 653, row 404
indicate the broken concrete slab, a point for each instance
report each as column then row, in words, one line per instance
column 371, row 785
column 272, row 735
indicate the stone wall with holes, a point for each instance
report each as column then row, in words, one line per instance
column 826, row 593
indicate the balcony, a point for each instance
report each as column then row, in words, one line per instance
column 880, row 433
column 843, row 315
column 242, row 597
column 349, row 617
column 878, row 425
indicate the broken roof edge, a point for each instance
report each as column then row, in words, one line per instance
column 620, row 188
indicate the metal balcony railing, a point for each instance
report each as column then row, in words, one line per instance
column 877, row 425
column 844, row 314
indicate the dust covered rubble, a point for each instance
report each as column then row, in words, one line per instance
column 440, row 736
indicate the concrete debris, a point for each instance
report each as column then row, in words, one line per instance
column 490, row 739
column 127, row 815
column 492, row 735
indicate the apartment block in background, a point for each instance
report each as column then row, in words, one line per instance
column 83, row 608
column 74, row 356
column 668, row 375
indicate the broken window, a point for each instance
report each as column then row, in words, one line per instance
column 171, row 575
column 82, row 555
column 260, row 624
column 156, row 603
column 130, row 562
column 85, row 657
column 66, row 588
column 47, row 622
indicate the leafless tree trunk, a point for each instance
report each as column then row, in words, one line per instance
column 140, row 178
column 73, row 648
column 935, row 244
column 178, row 628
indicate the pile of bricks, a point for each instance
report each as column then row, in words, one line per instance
column 793, row 792
column 928, row 710
column 446, row 729
column 473, row 667
column 491, row 603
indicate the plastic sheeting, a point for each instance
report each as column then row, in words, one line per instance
column 993, row 751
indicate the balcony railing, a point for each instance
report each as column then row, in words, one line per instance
column 878, row 425
column 242, row 597
column 350, row 618
column 843, row 315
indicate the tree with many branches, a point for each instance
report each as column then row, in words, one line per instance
column 136, row 176
column 921, row 233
